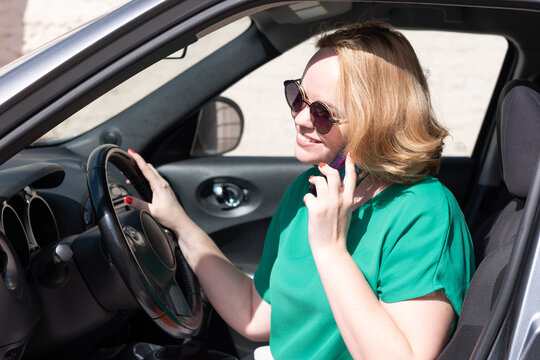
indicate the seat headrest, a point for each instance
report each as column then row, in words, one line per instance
column 518, row 131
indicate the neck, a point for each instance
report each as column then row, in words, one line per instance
column 367, row 189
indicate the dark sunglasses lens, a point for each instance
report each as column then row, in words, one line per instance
column 294, row 97
column 320, row 117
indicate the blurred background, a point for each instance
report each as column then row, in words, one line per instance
column 461, row 70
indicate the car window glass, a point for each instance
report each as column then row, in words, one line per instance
column 461, row 69
column 143, row 83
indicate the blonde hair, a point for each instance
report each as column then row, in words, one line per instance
column 385, row 100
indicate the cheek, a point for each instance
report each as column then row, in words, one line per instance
column 336, row 138
column 334, row 144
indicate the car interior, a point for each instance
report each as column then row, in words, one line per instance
column 517, row 123
column 73, row 284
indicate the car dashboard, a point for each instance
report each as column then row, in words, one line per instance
column 46, row 298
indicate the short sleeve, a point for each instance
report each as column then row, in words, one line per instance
column 271, row 242
column 428, row 249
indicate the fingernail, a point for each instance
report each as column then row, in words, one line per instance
column 128, row 200
column 131, row 151
column 321, row 164
column 311, row 177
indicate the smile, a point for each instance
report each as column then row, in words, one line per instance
column 303, row 139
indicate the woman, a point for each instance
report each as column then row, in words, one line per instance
column 374, row 266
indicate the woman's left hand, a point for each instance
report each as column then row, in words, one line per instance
column 330, row 211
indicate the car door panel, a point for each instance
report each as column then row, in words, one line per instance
column 239, row 231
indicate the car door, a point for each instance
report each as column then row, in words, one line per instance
column 253, row 188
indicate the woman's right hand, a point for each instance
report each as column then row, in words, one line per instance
column 164, row 207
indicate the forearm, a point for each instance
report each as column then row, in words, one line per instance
column 229, row 290
column 366, row 327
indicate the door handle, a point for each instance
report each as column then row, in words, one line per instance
column 228, row 195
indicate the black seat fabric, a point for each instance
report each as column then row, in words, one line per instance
column 518, row 135
column 497, row 229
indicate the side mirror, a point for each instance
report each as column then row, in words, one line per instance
column 219, row 129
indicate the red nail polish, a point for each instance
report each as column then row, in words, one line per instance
column 128, row 200
column 311, row 177
column 321, row 164
column 131, row 151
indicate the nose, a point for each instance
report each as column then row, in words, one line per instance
column 303, row 118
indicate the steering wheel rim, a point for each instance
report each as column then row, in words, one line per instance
column 147, row 257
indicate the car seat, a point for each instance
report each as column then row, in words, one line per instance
column 518, row 136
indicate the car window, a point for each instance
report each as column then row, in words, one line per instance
column 461, row 69
column 142, row 84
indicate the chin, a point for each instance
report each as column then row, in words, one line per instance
column 304, row 156
column 310, row 157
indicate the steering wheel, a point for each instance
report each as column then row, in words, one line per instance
column 147, row 257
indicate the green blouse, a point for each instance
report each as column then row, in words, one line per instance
column 408, row 241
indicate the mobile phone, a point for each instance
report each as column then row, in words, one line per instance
column 339, row 164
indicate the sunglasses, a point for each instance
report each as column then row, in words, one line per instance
column 321, row 115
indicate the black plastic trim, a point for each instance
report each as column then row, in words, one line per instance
column 40, row 174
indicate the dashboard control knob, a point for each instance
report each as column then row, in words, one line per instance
column 62, row 253
column 55, row 266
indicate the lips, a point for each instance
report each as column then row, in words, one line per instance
column 303, row 140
